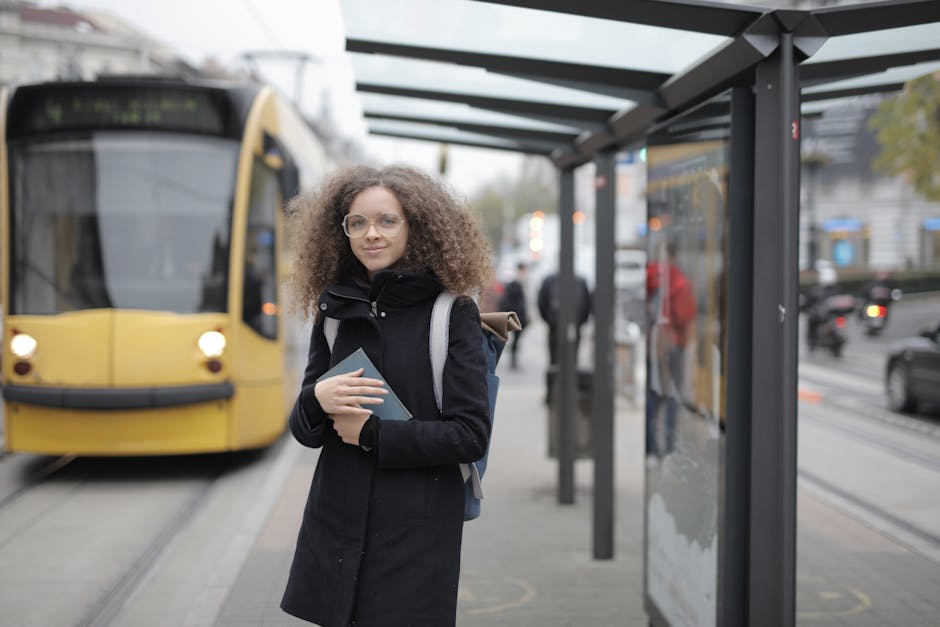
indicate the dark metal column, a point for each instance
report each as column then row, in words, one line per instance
column 567, row 365
column 772, row 557
column 732, row 593
column 602, row 400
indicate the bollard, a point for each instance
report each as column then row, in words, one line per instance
column 582, row 420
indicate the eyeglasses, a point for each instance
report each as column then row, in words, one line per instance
column 386, row 224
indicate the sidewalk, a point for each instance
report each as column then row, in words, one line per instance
column 527, row 560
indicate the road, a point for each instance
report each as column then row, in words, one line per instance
column 882, row 466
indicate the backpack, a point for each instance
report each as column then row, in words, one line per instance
column 496, row 327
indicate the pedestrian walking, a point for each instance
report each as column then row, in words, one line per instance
column 381, row 533
column 513, row 299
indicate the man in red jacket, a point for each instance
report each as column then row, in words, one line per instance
column 672, row 310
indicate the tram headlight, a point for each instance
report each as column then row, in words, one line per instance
column 23, row 345
column 212, row 344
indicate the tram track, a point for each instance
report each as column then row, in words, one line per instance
column 103, row 610
column 46, row 469
column 919, row 540
column 35, row 492
column 889, row 459
column 911, row 455
column 862, row 396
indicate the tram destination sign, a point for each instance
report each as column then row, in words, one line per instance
column 48, row 108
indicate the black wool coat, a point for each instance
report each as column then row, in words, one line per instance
column 381, row 533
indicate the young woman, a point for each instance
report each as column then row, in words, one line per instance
column 381, row 533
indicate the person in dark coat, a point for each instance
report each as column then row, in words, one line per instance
column 380, row 540
column 513, row 299
column 548, row 302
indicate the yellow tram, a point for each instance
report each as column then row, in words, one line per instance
column 141, row 264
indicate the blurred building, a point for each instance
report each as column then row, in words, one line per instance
column 39, row 43
column 863, row 219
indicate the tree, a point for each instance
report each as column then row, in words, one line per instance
column 491, row 202
column 908, row 129
column 507, row 198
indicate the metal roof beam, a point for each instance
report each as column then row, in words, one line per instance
column 691, row 15
column 851, row 91
column 483, row 129
column 523, row 147
column 568, row 115
column 539, row 69
column 624, row 93
column 714, row 73
column 873, row 16
column 864, row 65
column 698, row 83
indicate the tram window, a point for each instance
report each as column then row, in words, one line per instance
column 124, row 220
column 259, row 300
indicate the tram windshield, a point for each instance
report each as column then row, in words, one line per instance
column 121, row 220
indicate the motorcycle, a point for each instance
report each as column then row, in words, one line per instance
column 829, row 319
column 874, row 310
column 874, row 318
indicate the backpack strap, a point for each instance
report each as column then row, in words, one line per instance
column 439, row 341
column 330, row 329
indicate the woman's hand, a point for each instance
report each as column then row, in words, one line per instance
column 349, row 426
column 347, row 393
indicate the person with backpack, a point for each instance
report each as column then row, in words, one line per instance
column 380, row 539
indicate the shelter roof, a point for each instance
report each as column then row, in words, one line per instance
column 567, row 79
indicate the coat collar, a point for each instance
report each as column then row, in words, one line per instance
column 390, row 290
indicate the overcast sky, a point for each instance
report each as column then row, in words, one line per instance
column 224, row 29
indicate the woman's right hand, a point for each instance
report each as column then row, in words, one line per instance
column 347, row 393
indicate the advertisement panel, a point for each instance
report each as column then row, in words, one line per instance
column 686, row 294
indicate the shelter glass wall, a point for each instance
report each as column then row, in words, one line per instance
column 687, row 196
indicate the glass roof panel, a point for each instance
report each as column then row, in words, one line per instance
column 499, row 29
column 437, row 110
column 451, row 78
column 879, row 43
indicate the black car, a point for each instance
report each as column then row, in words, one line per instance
column 912, row 372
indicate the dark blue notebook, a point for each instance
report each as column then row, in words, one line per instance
column 392, row 408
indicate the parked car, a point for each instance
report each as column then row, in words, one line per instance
column 912, row 372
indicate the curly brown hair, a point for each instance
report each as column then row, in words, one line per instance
column 444, row 236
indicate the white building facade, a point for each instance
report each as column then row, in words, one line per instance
column 38, row 43
column 864, row 220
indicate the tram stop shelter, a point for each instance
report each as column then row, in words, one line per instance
column 716, row 91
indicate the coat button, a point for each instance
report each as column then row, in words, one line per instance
column 383, row 314
column 323, row 306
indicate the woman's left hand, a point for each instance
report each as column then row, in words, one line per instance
column 348, row 427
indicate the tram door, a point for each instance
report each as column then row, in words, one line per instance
column 259, row 367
